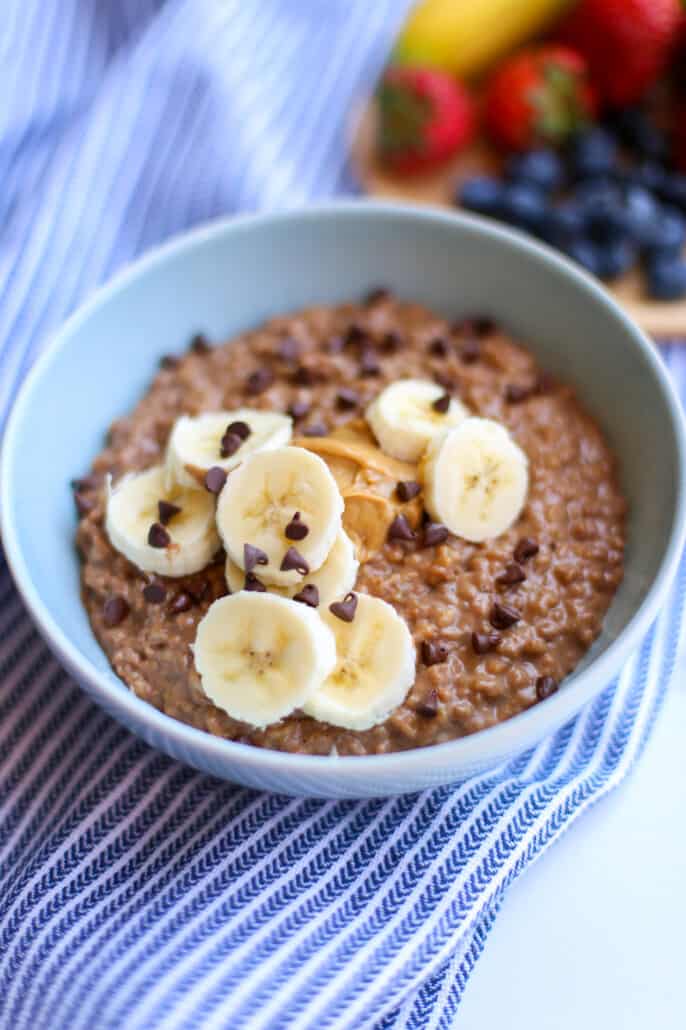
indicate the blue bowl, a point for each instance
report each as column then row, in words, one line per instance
column 231, row 275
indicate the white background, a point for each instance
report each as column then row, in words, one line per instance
column 594, row 934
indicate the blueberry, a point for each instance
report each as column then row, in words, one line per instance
column 592, row 153
column 542, row 168
column 562, row 224
column 649, row 175
column 483, row 195
column 673, row 190
column 666, row 234
column 614, row 259
column 667, row 278
column 584, row 253
column 638, row 132
column 524, row 206
column 591, row 191
column 605, row 218
column 641, row 209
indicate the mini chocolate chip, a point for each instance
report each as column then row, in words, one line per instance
column 429, row 706
column 253, row 556
column 259, row 381
column 309, row 595
column 200, row 344
column 434, row 533
column 115, row 610
column 240, row 429
column 407, row 489
column 296, row 528
column 470, row 351
column 354, row 335
column 525, row 549
column 483, row 326
column 345, row 609
column 253, row 583
column 298, row 409
column 400, row 529
column 376, row 295
column 167, row 511
column 83, row 504
column 215, row 479
column 199, row 591
column 181, row 603
column 515, row 393
column 444, row 379
column 391, row 342
column 289, row 349
column 230, row 443
column 442, row 404
column 482, row 643
column 304, row 376
column 315, row 429
column 158, row 535
column 85, row 483
column 433, row 653
column 369, row 366
column 512, row 574
column 502, row 616
column 347, row 399
column 545, row 686
column 438, row 347
column 293, row 559
column 169, row 361
column 154, row 592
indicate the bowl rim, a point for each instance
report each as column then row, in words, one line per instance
column 477, row 749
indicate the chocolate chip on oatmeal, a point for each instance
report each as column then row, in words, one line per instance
column 259, row 381
column 181, row 603
column 502, row 616
column 545, row 686
column 434, row 533
column 470, row 351
column 512, row 574
column 482, row 325
column 296, row 528
column 315, row 429
column 433, row 652
column 289, row 349
column 515, row 393
column 199, row 591
column 391, row 342
column 253, row 583
column 525, row 549
column 215, row 479
column 376, row 295
column 438, row 347
column 154, row 592
column 442, row 404
column 168, row 361
column 200, row 344
column 167, row 511
column 347, row 399
column 428, row 707
column 407, row 489
column 304, row 376
column 308, row 595
column 293, row 559
column 369, row 365
column 298, row 409
column 239, row 428
column 400, row 529
column 354, row 335
column 115, row 610
column 158, row 535
column 482, row 643
column 229, row 445
column 346, row 608
column 83, row 504
column 253, row 556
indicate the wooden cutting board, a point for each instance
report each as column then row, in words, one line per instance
column 662, row 320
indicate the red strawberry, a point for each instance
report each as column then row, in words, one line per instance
column 426, row 116
column 541, row 95
column 627, row 43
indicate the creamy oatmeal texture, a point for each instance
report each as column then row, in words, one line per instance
column 496, row 625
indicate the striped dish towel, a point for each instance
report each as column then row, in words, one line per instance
column 134, row 891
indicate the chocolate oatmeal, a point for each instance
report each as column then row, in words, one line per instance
column 496, row 625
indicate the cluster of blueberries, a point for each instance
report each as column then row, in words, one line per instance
column 608, row 201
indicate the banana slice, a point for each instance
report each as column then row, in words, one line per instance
column 259, row 501
column 260, row 656
column 475, row 479
column 169, row 532
column 375, row 667
column 409, row 413
column 334, row 579
column 197, row 444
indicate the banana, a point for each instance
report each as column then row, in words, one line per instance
column 259, row 656
column 283, row 504
column 169, row 532
column 334, row 579
column 409, row 413
column 475, row 479
column 223, row 438
column 375, row 665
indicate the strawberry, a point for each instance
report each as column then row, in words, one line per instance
column 627, row 43
column 541, row 95
column 425, row 116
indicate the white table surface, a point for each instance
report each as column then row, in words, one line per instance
column 594, row 934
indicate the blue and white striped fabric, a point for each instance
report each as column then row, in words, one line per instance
column 134, row 891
